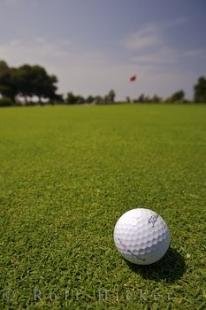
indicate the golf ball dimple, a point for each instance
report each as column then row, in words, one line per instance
column 141, row 236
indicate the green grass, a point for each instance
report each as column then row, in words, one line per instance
column 68, row 173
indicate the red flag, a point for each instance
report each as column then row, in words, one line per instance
column 133, row 78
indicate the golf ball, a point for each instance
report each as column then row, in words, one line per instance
column 141, row 236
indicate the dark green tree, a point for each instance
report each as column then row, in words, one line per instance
column 128, row 100
column 8, row 84
column 140, row 99
column 110, row 97
column 27, row 81
column 71, row 98
column 43, row 85
column 6, row 102
column 35, row 81
column 98, row 100
column 90, row 99
column 74, row 99
column 24, row 78
column 200, row 90
column 156, row 99
column 58, row 98
column 178, row 96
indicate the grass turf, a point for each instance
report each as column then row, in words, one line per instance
column 68, row 173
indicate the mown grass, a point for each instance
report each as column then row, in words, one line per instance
column 68, row 173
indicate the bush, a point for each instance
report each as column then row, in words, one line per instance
column 6, row 102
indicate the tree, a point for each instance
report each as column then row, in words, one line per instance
column 6, row 102
column 8, row 86
column 140, row 99
column 57, row 98
column 27, row 81
column 200, row 90
column 98, row 100
column 24, row 78
column 178, row 96
column 156, row 99
column 110, row 97
column 75, row 99
column 43, row 85
column 35, row 81
column 90, row 99
column 71, row 98
column 128, row 100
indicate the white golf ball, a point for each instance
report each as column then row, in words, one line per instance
column 141, row 236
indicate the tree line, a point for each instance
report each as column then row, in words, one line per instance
column 199, row 95
column 31, row 85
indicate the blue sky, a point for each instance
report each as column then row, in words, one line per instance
column 95, row 45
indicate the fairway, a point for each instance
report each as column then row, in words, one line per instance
column 66, row 176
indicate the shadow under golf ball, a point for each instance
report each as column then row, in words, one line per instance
column 170, row 268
